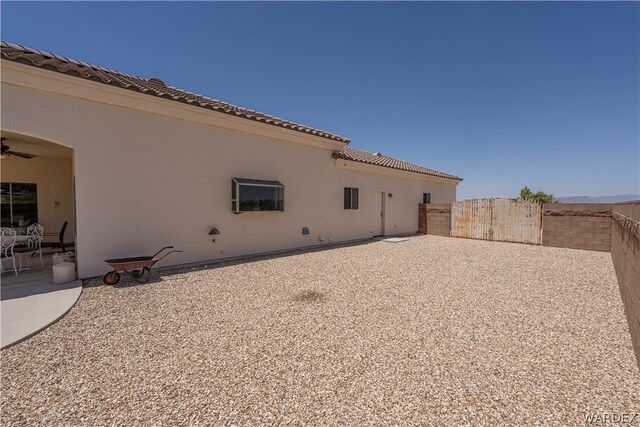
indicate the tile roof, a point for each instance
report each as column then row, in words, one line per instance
column 151, row 86
column 378, row 159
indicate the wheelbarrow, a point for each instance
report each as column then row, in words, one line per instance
column 139, row 268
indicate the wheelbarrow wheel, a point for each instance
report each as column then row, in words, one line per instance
column 111, row 278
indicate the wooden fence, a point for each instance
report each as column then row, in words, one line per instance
column 504, row 220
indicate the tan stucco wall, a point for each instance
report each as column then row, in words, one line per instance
column 146, row 179
column 54, row 177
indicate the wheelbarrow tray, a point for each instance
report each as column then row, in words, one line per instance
column 131, row 263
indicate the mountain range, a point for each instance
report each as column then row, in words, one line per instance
column 599, row 199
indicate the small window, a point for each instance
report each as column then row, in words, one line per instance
column 350, row 198
column 426, row 197
column 253, row 195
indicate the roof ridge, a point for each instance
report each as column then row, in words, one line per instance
column 82, row 69
column 66, row 59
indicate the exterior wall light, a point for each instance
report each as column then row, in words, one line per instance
column 214, row 231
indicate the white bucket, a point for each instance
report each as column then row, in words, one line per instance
column 64, row 272
column 65, row 257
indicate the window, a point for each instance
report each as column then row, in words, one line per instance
column 426, row 197
column 19, row 204
column 350, row 198
column 253, row 195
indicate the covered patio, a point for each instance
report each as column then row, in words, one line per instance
column 37, row 188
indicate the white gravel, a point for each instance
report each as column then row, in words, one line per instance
column 429, row 331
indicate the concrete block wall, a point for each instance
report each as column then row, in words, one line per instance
column 625, row 253
column 577, row 226
column 434, row 219
column 422, row 218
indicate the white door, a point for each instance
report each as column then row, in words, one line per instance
column 378, row 213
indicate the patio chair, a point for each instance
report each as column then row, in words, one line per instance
column 60, row 242
column 7, row 242
column 35, row 232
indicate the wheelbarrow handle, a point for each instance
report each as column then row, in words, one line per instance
column 170, row 252
column 166, row 247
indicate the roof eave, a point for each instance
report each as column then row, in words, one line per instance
column 226, row 108
column 338, row 155
column 342, row 157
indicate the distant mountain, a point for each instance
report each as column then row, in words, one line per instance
column 599, row 199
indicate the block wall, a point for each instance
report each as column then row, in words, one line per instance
column 434, row 219
column 625, row 253
column 577, row 226
column 422, row 218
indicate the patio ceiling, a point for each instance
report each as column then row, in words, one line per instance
column 38, row 147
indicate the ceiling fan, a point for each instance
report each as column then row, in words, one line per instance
column 6, row 152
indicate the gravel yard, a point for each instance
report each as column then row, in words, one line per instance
column 429, row 331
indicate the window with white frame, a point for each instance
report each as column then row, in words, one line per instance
column 254, row 195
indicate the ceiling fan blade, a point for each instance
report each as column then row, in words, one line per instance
column 19, row 154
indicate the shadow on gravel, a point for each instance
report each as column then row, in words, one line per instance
column 309, row 296
column 125, row 281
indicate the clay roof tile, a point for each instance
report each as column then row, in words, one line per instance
column 152, row 86
column 379, row 159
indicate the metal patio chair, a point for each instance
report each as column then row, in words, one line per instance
column 35, row 232
column 7, row 242
column 60, row 236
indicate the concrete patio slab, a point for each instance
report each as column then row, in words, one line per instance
column 31, row 302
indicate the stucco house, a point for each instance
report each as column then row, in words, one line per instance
column 134, row 165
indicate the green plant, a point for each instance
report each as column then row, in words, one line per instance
column 538, row 197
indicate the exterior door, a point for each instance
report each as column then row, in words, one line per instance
column 378, row 213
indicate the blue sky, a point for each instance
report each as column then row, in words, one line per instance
column 505, row 94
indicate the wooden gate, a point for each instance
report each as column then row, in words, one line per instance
column 504, row 220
